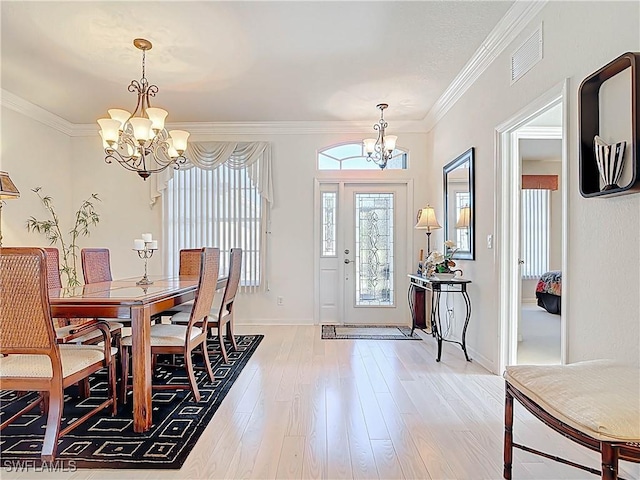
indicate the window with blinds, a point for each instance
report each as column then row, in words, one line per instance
column 535, row 234
column 215, row 208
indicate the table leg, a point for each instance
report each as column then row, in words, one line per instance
column 412, row 308
column 141, row 368
column 467, row 302
column 435, row 321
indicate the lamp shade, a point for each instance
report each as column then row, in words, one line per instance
column 7, row 189
column 369, row 145
column 464, row 218
column 427, row 219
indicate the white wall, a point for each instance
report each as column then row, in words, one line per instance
column 35, row 155
column 70, row 169
column 602, row 285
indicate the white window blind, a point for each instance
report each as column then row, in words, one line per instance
column 535, row 232
column 216, row 208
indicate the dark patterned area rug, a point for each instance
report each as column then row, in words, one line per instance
column 368, row 332
column 110, row 442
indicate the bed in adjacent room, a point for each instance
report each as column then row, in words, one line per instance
column 549, row 291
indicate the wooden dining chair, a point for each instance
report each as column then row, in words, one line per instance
column 31, row 358
column 96, row 268
column 183, row 339
column 222, row 314
column 53, row 278
column 65, row 326
column 189, row 265
column 96, row 265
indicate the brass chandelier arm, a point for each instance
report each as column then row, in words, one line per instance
column 138, row 164
column 138, row 141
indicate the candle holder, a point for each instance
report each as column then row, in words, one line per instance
column 145, row 254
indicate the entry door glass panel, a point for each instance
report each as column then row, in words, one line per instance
column 374, row 253
column 329, row 207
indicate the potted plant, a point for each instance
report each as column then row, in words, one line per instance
column 85, row 218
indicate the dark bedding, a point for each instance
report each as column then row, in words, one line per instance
column 549, row 291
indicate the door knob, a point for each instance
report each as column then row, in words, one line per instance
column 346, row 260
column 520, row 262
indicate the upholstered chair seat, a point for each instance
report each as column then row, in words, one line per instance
column 74, row 358
column 167, row 335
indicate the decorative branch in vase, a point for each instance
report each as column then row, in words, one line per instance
column 85, row 218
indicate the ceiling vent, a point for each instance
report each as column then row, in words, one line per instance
column 525, row 57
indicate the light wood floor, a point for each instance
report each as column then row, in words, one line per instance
column 310, row 408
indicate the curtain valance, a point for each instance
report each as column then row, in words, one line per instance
column 254, row 156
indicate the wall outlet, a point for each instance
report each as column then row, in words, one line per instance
column 489, row 241
column 280, row 301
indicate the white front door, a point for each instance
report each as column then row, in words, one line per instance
column 363, row 254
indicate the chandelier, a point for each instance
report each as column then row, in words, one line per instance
column 138, row 141
column 380, row 150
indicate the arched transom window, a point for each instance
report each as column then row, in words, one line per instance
column 351, row 156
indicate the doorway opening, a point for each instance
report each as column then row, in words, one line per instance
column 532, row 231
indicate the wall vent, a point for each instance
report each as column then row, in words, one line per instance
column 525, row 57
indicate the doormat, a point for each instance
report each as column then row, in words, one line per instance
column 367, row 332
column 104, row 441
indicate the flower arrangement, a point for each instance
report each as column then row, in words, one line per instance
column 441, row 263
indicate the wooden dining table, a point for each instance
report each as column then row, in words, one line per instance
column 123, row 299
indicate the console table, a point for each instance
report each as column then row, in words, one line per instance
column 433, row 288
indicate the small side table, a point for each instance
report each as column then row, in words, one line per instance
column 433, row 287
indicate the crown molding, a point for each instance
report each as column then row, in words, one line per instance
column 508, row 28
column 20, row 105
column 272, row 128
column 28, row 109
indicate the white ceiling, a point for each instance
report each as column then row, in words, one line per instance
column 549, row 150
column 242, row 61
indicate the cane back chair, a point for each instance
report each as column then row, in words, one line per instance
column 31, row 358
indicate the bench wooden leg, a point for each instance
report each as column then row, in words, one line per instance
column 508, row 434
column 609, row 461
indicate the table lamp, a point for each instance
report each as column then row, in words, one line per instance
column 8, row 191
column 464, row 218
column 427, row 221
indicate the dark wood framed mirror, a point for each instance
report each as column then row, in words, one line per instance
column 459, row 212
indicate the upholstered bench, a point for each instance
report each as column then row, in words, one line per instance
column 594, row 403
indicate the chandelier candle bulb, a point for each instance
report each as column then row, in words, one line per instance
column 153, row 245
column 109, row 130
column 390, row 143
column 173, row 153
column 138, row 244
column 179, row 140
column 120, row 115
column 157, row 116
column 147, row 237
column 141, row 129
column 369, row 145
